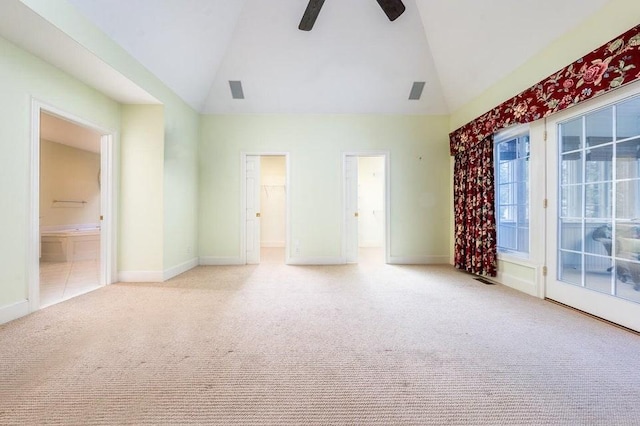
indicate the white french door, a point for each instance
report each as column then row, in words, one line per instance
column 593, row 218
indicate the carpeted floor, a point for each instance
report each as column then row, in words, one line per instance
column 285, row 345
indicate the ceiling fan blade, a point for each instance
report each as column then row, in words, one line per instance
column 310, row 15
column 392, row 8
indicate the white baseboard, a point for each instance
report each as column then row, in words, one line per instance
column 14, row 311
column 220, row 261
column 331, row 260
column 320, row 260
column 516, row 283
column 272, row 244
column 180, row 269
column 140, row 276
column 419, row 260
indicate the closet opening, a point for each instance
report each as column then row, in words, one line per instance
column 265, row 177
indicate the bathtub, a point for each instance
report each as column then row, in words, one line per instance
column 70, row 244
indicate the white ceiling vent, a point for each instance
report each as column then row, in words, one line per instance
column 236, row 89
column 416, row 90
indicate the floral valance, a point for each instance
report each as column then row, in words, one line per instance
column 610, row 66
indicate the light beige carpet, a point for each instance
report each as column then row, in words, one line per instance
column 285, row 345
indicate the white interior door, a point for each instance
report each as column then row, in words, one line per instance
column 351, row 208
column 252, row 182
column 593, row 241
column 105, row 228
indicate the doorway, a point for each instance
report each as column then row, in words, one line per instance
column 71, row 243
column 265, row 178
column 593, row 228
column 366, row 183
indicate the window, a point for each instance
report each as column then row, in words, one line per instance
column 512, row 190
column 599, row 200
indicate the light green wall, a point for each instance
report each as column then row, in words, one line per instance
column 180, row 226
column 180, row 184
column 23, row 76
column 613, row 19
column 419, row 178
column 141, row 188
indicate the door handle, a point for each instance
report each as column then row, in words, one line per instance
column 356, row 214
column 257, row 214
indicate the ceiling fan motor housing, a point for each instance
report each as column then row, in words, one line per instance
column 392, row 8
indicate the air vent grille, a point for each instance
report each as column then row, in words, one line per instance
column 236, row 89
column 416, row 90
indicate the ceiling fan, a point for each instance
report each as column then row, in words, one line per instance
column 392, row 8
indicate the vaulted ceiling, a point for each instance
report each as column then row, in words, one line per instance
column 353, row 61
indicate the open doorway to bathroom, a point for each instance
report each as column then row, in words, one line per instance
column 72, row 256
column 366, row 185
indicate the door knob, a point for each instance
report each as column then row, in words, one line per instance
column 257, row 214
column 356, row 214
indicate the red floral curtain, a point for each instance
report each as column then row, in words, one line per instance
column 475, row 228
column 607, row 68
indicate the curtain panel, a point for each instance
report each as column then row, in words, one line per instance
column 475, row 226
column 608, row 67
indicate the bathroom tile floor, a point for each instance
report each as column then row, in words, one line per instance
column 62, row 280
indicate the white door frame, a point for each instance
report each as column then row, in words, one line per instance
column 243, row 202
column 108, row 206
column 387, row 199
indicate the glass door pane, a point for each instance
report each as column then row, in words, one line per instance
column 595, row 224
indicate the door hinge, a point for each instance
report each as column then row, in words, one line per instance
column 544, row 271
column 545, row 136
column 545, row 202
